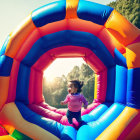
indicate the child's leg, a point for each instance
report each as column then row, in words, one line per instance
column 78, row 116
column 69, row 116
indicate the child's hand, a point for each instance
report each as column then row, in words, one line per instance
column 85, row 106
column 62, row 103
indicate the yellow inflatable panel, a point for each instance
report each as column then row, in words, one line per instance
column 10, row 115
column 133, row 55
column 7, row 137
column 121, row 28
column 95, row 87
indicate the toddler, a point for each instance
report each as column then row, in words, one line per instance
column 74, row 100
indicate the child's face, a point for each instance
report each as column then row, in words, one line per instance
column 71, row 88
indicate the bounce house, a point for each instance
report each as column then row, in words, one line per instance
column 107, row 42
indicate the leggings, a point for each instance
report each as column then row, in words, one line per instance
column 71, row 115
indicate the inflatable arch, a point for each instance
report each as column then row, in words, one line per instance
column 72, row 28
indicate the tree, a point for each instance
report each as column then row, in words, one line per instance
column 56, row 91
column 86, row 72
column 74, row 74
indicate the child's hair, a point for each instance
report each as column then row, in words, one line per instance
column 77, row 84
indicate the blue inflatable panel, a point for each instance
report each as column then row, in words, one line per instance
column 47, row 124
column 119, row 58
column 68, row 37
column 49, row 13
column 121, row 78
column 5, row 65
column 96, row 113
column 23, row 84
column 111, row 75
column 2, row 51
column 57, row 129
column 133, row 88
column 34, row 54
column 95, row 128
column 94, row 12
column 68, row 133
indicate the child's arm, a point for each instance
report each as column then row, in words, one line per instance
column 85, row 102
column 65, row 101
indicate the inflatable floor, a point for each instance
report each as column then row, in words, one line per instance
column 107, row 42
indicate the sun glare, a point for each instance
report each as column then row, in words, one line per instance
column 61, row 66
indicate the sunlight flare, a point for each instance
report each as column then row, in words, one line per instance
column 61, row 66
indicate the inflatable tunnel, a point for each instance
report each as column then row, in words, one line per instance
column 107, row 42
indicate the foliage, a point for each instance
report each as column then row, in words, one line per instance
column 56, row 91
column 129, row 9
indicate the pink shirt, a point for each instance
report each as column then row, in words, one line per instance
column 75, row 102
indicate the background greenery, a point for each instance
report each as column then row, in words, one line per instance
column 56, row 91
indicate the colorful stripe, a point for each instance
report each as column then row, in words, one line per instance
column 121, row 126
column 90, row 11
column 2, row 51
column 71, row 8
column 68, row 37
column 95, row 86
column 18, row 37
column 15, row 133
column 7, row 137
column 101, row 86
column 10, row 113
column 49, row 13
column 23, row 83
column 111, row 76
column 125, row 33
column 133, row 56
column 95, row 128
column 13, row 82
column 4, row 84
column 72, row 28
column 133, row 88
column 5, row 65
column 121, row 77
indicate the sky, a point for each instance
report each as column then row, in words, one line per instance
column 13, row 12
column 62, row 66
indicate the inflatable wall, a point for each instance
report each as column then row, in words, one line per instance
column 107, row 42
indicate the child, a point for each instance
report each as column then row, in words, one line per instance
column 74, row 100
